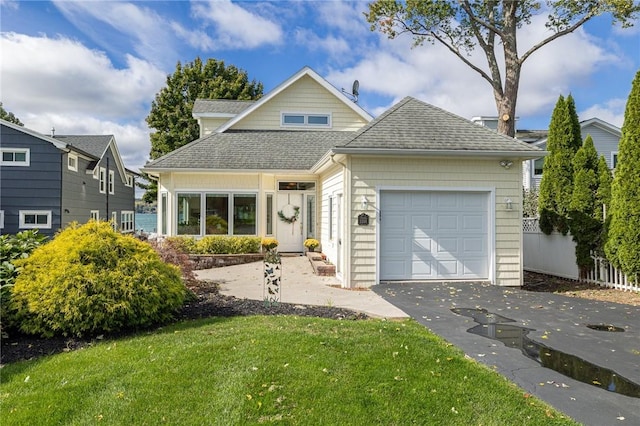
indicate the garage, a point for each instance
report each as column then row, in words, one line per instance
column 434, row 235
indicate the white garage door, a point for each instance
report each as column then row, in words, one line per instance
column 430, row 235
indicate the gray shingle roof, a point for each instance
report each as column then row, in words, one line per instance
column 91, row 144
column 414, row 125
column 253, row 150
column 220, row 106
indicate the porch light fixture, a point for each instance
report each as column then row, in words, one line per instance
column 508, row 203
column 364, row 203
column 506, row 163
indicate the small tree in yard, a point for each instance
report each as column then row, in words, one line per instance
column 623, row 241
column 556, row 187
column 584, row 220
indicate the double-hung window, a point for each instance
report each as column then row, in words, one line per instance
column 126, row 221
column 112, row 181
column 103, row 180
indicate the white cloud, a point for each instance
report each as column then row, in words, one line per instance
column 333, row 46
column 235, row 27
column 611, row 111
column 11, row 4
column 43, row 87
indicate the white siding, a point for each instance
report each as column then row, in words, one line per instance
column 375, row 172
column 332, row 184
column 604, row 141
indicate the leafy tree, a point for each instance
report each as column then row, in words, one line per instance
column 463, row 25
column 623, row 241
column 584, row 219
column 556, row 187
column 604, row 188
column 170, row 116
column 8, row 116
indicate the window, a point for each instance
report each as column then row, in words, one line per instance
column 306, row 120
column 164, row 211
column 103, row 180
column 35, row 219
column 1, row 219
column 72, row 162
column 269, row 214
column 538, row 166
column 15, row 157
column 296, row 186
column 112, row 181
column 331, row 218
column 95, row 215
column 244, row 214
column 217, row 212
column 129, row 181
column 311, row 216
column 614, row 159
column 189, row 214
column 126, row 221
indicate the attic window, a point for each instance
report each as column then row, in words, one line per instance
column 15, row 157
column 306, row 120
column 72, row 162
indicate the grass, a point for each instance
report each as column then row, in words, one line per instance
column 262, row 370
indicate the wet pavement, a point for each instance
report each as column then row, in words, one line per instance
column 580, row 356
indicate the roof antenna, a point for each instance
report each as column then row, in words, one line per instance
column 53, row 131
column 354, row 91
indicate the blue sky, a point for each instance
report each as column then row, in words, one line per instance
column 93, row 67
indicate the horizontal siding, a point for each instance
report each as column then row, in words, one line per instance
column 303, row 96
column 331, row 183
column 209, row 124
column 374, row 172
column 605, row 142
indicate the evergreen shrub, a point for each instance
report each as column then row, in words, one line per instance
column 217, row 244
column 90, row 279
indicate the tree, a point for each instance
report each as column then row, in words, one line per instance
column 8, row 116
column 584, row 220
column 556, row 187
column 170, row 116
column 463, row 25
column 623, row 241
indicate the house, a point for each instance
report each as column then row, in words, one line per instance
column 47, row 182
column 416, row 194
column 605, row 137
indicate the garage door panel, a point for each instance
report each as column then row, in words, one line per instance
column 434, row 235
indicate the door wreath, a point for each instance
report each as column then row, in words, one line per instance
column 289, row 213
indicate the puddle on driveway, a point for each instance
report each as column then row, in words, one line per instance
column 491, row 325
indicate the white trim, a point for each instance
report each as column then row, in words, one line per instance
column 614, row 159
column 111, row 183
column 1, row 219
column 102, row 179
column 94, row 214
column 491, row 192
column 305, row 116
column 33, row 133
column 129, row 181
column 127, row 223
column 13, row 163
column 36, row 213
column 73, row 168
column 306, row 71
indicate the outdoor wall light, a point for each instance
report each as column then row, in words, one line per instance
column 508, row 203
column 506, row 163
column 364, row 203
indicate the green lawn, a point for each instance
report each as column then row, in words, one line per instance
column 262, row 370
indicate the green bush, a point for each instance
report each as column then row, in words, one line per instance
column 217, row 244
column 91, row 279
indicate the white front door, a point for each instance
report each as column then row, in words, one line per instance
column 290, row 219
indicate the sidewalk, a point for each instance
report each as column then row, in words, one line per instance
column 299, row 285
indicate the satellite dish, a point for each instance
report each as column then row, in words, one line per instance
column 355, row 88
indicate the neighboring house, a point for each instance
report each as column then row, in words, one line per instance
column 416, row 194
column 605, row 139
column 48, row 182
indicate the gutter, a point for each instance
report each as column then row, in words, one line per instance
column 525, row 155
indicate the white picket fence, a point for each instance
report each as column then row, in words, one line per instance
column 555, row 255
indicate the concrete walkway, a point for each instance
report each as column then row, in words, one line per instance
column 555, row 321
column 301, row 286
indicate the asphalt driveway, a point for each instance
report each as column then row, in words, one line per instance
column 555, row 328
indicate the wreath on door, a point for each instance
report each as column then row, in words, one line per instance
column 289, row 213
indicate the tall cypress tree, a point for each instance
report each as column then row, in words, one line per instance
column 556, row 187
column 584, row 221
column 623, row 241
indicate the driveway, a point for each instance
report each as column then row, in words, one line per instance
column 553, row 321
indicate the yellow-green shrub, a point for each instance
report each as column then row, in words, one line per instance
column 90, row 279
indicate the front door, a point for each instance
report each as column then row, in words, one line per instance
column 290, row 219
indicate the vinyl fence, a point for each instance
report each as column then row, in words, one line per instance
column 555, row 255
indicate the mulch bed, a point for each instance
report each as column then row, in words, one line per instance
column 208, row 303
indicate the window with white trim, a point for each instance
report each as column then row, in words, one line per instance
column 290, row 119
column 538, row 165
column 112, row 181
column 614, row 159
column 126, row 221
column 129, row 181
column 72, row 162
column 1, row 219
column 114, row 220
column 30, row 219
column 223, row 213
column 19, row 157
column 103, row 180
column 95, row 215
column 331, row 218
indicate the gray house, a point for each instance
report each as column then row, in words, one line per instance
column 47, row 182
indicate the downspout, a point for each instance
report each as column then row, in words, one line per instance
column 106, row 187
